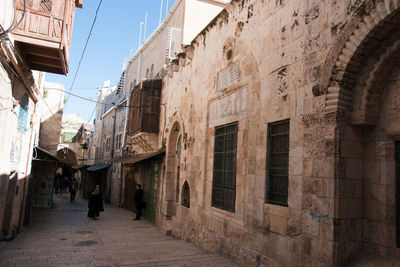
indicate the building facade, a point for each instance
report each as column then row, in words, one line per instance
column 282, row 140
column 33, row 37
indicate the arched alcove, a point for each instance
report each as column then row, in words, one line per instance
column 173, row 168
column 363, row 90
column 185, row 196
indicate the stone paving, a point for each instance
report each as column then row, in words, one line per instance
column 64, row 236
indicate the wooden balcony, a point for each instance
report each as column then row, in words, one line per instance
column 44, row 35
column 144, row 107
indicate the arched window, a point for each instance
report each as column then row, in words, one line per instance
column 185, row 200
column 147, row 73
column 178, row 167
column 179, row 146
column 152, row 71
column 23, row 114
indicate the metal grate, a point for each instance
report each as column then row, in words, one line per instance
column 278, row 162
column 23, row 114
column 173, row 43
column 228, row 77
column 224, row 173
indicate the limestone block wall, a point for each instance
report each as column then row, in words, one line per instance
column 50, row 128
column 282, row 50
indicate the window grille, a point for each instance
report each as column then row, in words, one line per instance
column 178, row 170
column 278, row 162
column 45, row 5
column 224, row 172
column 173, row 43
column 23, row 114
column 179, row 146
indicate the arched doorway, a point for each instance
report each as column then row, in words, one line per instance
column 173, row 169
column 364, row 91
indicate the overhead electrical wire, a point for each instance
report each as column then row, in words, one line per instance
column 83, row 51
column 94, row 101
column 11, row 28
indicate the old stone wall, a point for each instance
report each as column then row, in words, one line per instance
column 277, row 54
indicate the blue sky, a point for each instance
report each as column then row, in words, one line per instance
column 115, row 33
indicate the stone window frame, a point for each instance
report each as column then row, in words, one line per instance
column 282, row 171
column 224, row 187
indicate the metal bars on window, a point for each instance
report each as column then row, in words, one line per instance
column 278, row 162
column 224, row 172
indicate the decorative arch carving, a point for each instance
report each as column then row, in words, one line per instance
column 345, row 90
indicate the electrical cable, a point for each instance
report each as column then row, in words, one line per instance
column 94, row 101
column 83, row 52
column 11, row 28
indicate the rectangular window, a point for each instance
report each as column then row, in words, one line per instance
column 278, row 162
column 224, row 172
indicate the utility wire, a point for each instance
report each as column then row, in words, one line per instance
column 98, row 102
column 11, row 28
column 83, row 52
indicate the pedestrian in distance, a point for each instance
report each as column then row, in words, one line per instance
column 58, row 177
column 73, row 188
column 95, row 204
column 139, row 203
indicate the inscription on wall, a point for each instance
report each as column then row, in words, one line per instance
column 228, row 109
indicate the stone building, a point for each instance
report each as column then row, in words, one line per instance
column 143, row 86
column 39, row 43
column 117, row 147
column 51, row 116
column 282, row 133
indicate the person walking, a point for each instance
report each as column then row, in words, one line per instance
column 58, row 177
column 73, row 188
column 95, row 204
column 139, row 203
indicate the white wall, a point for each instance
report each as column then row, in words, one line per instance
column 7, row 10
column 198, row 14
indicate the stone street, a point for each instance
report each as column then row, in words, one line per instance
column 64, row 236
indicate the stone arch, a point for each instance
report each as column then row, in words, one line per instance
column 185, row 196
column 172, row 168
column 364, row 160
column 340, row 79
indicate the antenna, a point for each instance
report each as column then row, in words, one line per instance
column 140, row 34
column 159, row 20
column 144, row 32
column 166, row 9
column 131, row 52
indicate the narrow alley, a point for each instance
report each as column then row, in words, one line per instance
column 64, row 236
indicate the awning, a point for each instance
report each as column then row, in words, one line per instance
column 122, row 158
column 98, row 167
column 80, row 166
column 49, row 154
column 141, row 157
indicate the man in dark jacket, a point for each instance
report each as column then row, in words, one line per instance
column 139, row 203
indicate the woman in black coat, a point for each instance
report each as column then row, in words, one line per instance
column 95, row 203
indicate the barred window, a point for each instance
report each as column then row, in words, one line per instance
column 224, row 173
column 278, row 162
column 23, row 114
